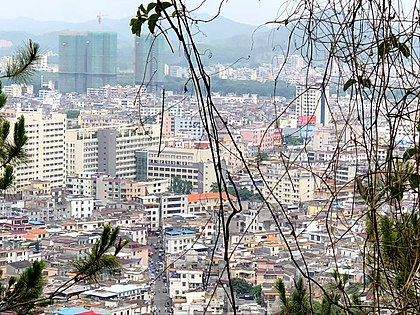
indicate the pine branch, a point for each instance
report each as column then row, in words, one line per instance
column 22, row 66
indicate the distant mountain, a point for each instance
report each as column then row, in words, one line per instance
column 218, row 29
column 226, row 39
column 223, row 28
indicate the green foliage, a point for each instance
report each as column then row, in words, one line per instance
column 393, row 44
column 363, row 82
column 99, row 259
column 399, row 247
column 73, row 113
column 292, row 140
column 262, row 156
column 180, row 186
column 281, row 289
column 12, row 153
column 12, row 149
column 298, row 303
column 26, row 288
column 22, row 66
column 257, row 292
column 333, row 302
column 150, row 14
column 241, row 193
column 241, row 286
column 393, row 239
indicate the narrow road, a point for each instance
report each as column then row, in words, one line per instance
column 161, row 300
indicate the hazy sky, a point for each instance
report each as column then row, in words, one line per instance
column 84, row 10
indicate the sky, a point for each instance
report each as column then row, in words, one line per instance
column 85, row 10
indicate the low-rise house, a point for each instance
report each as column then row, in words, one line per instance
column 16, row 268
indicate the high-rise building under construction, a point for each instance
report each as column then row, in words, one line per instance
column 148, row 63
column 87, row 60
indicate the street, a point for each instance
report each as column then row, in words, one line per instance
column 161, row 300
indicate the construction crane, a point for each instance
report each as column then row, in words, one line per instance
column 100, row 16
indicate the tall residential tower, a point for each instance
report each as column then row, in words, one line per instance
column 312, row 104
column 87, row 60
column 148, row 63
column 46, row 144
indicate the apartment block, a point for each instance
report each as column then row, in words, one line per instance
column 185, row 280
column 87, row 60
column 108, row 150
column 151, row 206
column 259, row 136
column 173, row 204
column 177, row 242
column 97, row 185
column 287, row 186
column 202, row 204
column 46, row 144
column 131, row 189
column 190, row 126
column 79, row 207
column 313, row 101
column 194, row 165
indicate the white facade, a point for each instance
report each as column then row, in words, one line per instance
column 313, row 101
column 108, row 150
column 288, row 187
column 107, row 188
column 79, row 207
column 177, row 242
column 194, row 165
column 46, row 144
column 151, row 207
column 81, row 184
column 189, row 126
column 173, row 204
column 183, row 281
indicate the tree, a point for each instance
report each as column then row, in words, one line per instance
column 296, row 304
column 241, row 286
column 332, row 302
column 180, row 186
column 12, row 151
column 243, row 193
column 23, row 293
column 369, row 52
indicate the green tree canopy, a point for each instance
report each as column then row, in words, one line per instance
column 180, row 186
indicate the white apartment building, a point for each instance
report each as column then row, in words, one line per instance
column 177, row 242
column 79, row 207
column 198, row 302
column 107, row 188
column 151, row 206
column 173, row 204
column 189, row 126
column 185, row 280
column 108, row 150
column 194, row 165
column 287, row 187
column 99, row 186
column 46, row 144
column 80, row 184
column 313, row 101
column 131, row 189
